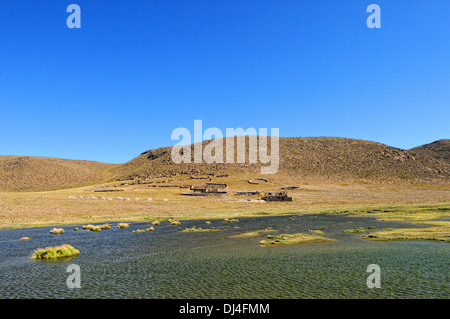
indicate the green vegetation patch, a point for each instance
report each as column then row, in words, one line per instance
column 62, row 251
column 199, row 229
column 294, row 239
column 433, row 233
column 356, row 230
column 255, row 233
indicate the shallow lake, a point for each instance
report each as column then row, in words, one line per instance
column 168, row 263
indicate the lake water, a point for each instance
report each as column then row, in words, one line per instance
column 168, row 263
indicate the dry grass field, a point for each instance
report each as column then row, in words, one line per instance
column 330, row 174
column 28, row 209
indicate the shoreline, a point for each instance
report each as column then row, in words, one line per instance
column 418, row 214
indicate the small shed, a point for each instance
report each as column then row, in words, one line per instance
column 247, row 193
column 209, row 189
column 277, row 197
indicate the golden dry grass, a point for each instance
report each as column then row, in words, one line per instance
column 31, row 209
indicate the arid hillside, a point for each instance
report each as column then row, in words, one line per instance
column 439, row 150
column 302, row 159
column 26, row 173
column 309, row 158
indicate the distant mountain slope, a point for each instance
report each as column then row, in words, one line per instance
column 308, row 157
column 326, row 159
column 439, row 150
column 26, row 173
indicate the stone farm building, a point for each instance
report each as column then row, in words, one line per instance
column 277, row 196
column 208, row 189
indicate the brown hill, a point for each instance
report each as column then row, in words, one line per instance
column 439, row 150
column 26, row 173
column 322, row 159
column 311, row 158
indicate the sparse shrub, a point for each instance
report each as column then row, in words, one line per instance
column 56, row 231
column 356, row 231
column 142, row 230
column 105, row 226
column 55, row 252
column 25, row 238
column 123, row 225
column 156, row 223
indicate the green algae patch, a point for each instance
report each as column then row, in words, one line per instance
column 294, row 239
column 62, row 251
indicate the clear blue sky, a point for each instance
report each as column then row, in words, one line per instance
column 136, row 70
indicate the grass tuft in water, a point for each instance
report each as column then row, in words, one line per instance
column 56, row 231
column 293, row 239
column 199, row 229
column 62, row 251
column 358, row 230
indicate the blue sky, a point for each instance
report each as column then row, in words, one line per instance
column 136, row 70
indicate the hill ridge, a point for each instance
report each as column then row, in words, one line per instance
column 329, row 159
